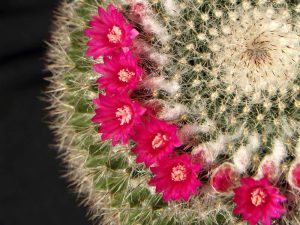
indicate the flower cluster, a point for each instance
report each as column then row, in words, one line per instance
column 111, row 39
column 157, row 145
column 121, row 119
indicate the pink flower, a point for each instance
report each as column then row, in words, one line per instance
column 294, row 175
column 109, row 33
column 117, row 116
column 224, row 178
column 155, row 140
column 120, row 74
column 176, row 177
column 257, row 200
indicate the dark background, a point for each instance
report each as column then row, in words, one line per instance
column 32, row 191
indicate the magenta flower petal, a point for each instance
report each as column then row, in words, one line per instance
column 257, row 200
column 176, row 177
column 157, row 141
column 119, row 74
column 109, row 33
column 117, row 116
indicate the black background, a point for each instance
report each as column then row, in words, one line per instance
column 32, row 191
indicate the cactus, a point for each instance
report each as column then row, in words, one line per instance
column 224, row 72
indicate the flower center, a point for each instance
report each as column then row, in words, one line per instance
column 179, row 173
column 159, row 140
column 125, row 75
column 264, row 53
column 124, row 114
column 258, row 52
column 114, row 35
column 258, row 197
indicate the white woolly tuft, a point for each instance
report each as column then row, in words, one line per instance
column 172, row 112
column 207, row 126
column 160, row 83
column 286, row 128
column 132, row 2
column 171, row 86
column 220, row 144
column 273, row 160
column 279, row 151
column 143, row 48
column 242, row 157
column 153, row 26
column 171, row 8
column 159, row 58
column 187, row 131
column 212, row 149
column 254, row 141
column 153, row 82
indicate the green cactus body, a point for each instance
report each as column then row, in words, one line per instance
column 225, row 72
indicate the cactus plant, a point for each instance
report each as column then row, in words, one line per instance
column 179, row 111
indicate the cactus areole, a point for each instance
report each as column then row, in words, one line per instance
column 179, row 111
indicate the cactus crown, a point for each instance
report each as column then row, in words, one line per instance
column 225, row 72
